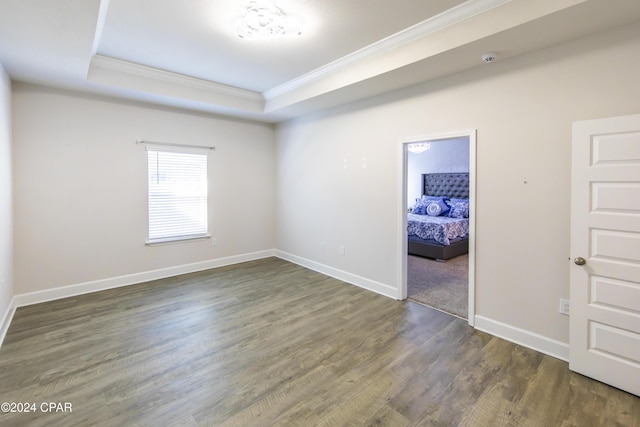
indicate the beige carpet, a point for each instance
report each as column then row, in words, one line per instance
column 441, row 285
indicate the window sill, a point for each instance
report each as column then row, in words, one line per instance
column 171, row 240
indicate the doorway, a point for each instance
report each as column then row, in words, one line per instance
column 424, row 279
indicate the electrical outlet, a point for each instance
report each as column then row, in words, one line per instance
column 322, row 246
column 214, row 241
column 341, row 249
column 564, row 306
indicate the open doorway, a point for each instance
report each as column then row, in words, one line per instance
column 438, row 222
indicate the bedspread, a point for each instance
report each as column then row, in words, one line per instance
column 439, row 228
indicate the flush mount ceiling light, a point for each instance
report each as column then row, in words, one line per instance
column 263, row 19
column 419, row 147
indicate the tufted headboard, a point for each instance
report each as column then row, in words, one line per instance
column 452, row 185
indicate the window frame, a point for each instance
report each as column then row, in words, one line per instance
column 152, row 241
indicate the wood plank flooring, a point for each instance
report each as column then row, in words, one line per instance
column 269, row 343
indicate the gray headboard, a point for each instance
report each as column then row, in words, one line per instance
column 452, row 185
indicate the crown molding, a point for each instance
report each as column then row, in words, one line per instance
column 438, row 22
column 126, row 67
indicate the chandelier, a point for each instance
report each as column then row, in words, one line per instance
column 263, row 19
column 419, row 147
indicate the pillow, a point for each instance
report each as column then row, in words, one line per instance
column 459, row 208
column 420, row 208
column 427, row 199
column 437, row 208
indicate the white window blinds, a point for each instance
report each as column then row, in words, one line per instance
column 177, row 193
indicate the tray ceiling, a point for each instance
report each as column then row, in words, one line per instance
column 187, row 54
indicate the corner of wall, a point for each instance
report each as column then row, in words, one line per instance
column 6, row 206
column 6, row 319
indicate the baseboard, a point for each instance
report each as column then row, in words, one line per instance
column 130, row 279
column 354, row 279
column 6, row 319
column 528, row 339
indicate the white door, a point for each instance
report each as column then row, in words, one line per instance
column 605, row 251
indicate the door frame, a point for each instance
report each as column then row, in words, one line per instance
column 402, row 211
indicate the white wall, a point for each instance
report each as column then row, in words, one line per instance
column 80, row 187
column 6, row 209
column 443, row 156
column 522, row 109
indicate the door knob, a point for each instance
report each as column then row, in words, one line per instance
column 580, row 261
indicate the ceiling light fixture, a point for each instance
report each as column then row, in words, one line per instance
column 419, row 147
column 263, row 19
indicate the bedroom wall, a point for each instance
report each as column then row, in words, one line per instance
column 523, row 109
column 443, row 156
column 80, row 185
column 6, row 205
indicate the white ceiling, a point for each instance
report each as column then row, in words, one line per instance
column 185, row 53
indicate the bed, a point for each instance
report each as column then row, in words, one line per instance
column 441, row 237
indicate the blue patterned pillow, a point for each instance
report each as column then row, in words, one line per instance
column 459, row 208
column 437, row 208
column 428, row 199
column 420, row 208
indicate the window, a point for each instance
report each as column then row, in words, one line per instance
column 177, row 193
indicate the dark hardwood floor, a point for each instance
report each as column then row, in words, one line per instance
column 269, row 343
